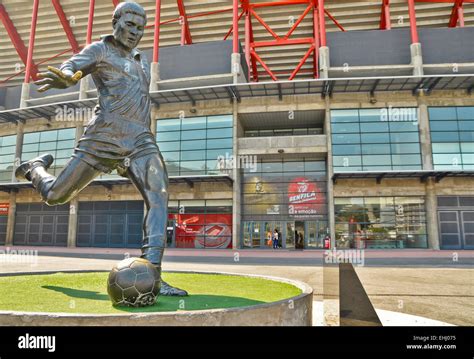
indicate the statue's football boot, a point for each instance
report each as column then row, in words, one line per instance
column 24, row 170
column 155, row 255
column 168, row 290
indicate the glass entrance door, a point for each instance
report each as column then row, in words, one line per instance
column 290, row 235
column 252, row 234
column 299, row 234
column 270, row 227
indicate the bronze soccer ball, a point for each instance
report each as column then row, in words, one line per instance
column 134, row 282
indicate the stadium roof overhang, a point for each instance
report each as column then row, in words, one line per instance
column 109, row 182
column 319, row 87
column 322, row 87
column 421, row 175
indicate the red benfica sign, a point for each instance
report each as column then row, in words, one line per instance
column 304, row 197
column 4, row 209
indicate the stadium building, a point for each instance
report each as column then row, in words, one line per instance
column 342, row 123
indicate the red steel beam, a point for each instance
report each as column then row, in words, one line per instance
column 264, row 24
column 334, row 20
column 264, row 65
column 186, row 32
column 280, row 3
column 235, row 27
column 16, row 40
column 412, row 15
column 252, row 59
column 295, row 25
column 322, row 24
column 232, row 27
column 116, row 2
column 283, row 42
column 66, row 26
column 461, row 16
column 444, row 1
column 247, row 42
column 302, row 62
column 90, row 22
column 455, row 12
column 385, row 16
column 316, row 42
column 31, row 43
column 156, row 32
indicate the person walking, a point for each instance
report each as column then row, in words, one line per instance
column 275, row 238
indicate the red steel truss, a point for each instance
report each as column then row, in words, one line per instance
column 240, row 9
column 66, row 25
column 16, row 39
column 251, row 46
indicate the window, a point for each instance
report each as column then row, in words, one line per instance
column 452, row 137
column 380, row 222
column 7, row 157
column 60, row 143
column 375, row 139
column 192, row 146
column 284, row 132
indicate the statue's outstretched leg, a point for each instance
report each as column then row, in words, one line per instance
column 149, row 175
column 76, row 175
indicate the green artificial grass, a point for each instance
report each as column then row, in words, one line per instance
column 87, row 293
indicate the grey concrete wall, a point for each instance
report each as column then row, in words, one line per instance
column 359, row 48
column 295, row 311
column 392, row 47
column 201, row 59
column 291, row 144
column 12, row 97
column 447, row 45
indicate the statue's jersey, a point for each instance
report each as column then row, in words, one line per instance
column 120, row 127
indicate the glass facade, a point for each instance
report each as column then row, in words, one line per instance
column 192, row 146
column 7, row 157
column 452, row 137
column 380, row 222
column 60, row 143
column 375, row 139
column 200, row 224
column 289, row 196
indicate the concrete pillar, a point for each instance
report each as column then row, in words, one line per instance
column 416, row 59
column 154, row 75
column 12, row 200
column 236, row 68
column 324, row 62
column 25, row 94
column 236, row 202
column 425, row 136
column 11, row 219
column 12, row 205
column 431, row 204
column 74, row 203
column 20, row 126
column 330, row 172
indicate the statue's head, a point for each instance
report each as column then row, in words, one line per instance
column 129, row 22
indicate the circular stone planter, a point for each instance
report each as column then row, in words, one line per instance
column 294, row 311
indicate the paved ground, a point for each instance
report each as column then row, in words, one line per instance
column 435, row 284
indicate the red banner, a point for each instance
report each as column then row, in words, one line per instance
column 203, row 230
column 4, row 207
column 304, row 197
